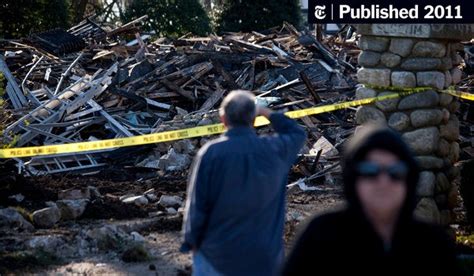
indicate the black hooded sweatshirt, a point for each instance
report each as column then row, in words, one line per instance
column 343, row 242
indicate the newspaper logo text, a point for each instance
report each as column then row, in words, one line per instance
column 320, row 12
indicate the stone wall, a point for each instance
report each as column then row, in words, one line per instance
column 427, row 120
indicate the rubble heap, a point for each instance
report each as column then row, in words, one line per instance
column 114, row 87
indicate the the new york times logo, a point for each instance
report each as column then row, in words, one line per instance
column 320, row 12
column 383, row 11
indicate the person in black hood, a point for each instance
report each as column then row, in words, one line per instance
column 375, row 233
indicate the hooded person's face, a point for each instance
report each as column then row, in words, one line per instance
column 381, row 185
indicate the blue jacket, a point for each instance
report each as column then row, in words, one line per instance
column 235, row 210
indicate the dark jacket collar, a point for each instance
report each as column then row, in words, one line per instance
column 240, row 131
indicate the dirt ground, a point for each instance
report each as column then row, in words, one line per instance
column 161, row 234
column 163, row 247
column 68, row 249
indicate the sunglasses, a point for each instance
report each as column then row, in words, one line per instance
column 397, row 171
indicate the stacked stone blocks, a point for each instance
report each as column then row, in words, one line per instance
column 426, row 120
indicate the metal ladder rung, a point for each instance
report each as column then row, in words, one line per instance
column 60, row 165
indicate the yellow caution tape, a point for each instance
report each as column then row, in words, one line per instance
column 451, row 90
column 173, row 135
column 333, row 107
column 459, row 94
column 400, row 89
column 113, row 143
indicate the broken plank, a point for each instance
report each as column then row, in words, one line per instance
column 213, row 99
column 187, row 94
column 227, row 77
column 309, row 86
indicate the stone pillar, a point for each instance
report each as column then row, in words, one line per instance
column 415, row 55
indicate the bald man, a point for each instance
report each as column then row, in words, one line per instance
column 235, row 210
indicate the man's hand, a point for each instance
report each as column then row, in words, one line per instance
column 264, row 111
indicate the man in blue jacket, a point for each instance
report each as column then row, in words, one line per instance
column 235, row 210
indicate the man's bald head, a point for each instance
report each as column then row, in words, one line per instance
column 238, row 108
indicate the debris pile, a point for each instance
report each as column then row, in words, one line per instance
column 466, row 114
column 89, row 84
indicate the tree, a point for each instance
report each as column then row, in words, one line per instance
column 19, row 18
column 254, row 15
column 171, row 17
